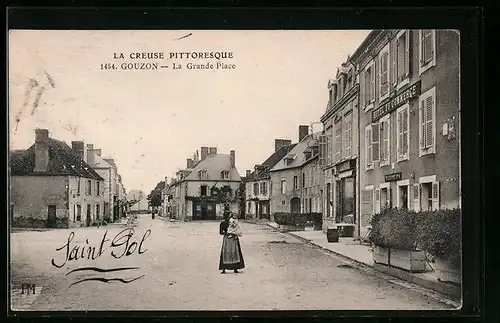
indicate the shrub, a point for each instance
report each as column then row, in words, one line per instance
column 93, row 224
column 104, row 222
column 439, row 233
column 295, row 219
column 435, row 232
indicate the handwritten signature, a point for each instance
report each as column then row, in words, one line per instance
column 122, row 245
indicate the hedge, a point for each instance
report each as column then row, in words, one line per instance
column 435, row 232
column 295, row 219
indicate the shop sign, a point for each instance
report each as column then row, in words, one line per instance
column 396, row 101
column 393, row 177
column 347, row 165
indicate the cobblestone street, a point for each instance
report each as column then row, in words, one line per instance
column 179, row 262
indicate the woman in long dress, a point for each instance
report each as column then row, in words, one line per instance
column 231, row 257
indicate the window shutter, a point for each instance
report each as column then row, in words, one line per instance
column 387, row 139
column 376, row 203
column 368, row 151
column 362, row 89
column 435, row 196
column 400, row 134
column 428, row 46
column 429, row 131
column 407, row 52
column 372, row 83
column 422, row 125
column 382, row 141
column 405, row 149
column 416, row 197
column 422, row 51
column 394, row 61
column 410, row 197
column 384, row 86
column 375, row 142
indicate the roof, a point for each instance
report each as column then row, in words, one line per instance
column 100, row 162
column 62, row 161
column 298, row 153
column 270, row 162
column 214, row 165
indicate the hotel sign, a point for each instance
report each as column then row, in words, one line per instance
column 393, row 177
column 397, row 101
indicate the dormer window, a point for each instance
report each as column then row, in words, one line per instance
column 225, row 174
column 203, row 174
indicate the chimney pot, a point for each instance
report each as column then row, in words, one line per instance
column 90, row 146
column 90, row 155
column 79, row 148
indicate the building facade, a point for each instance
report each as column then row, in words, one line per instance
column 296, row 180
column 409, row 120
column 207, row 188
column 52, row 186
column 339, row 148
column 258, row 182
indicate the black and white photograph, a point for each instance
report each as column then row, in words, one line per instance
column 234, row 170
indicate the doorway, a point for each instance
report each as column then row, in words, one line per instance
column 89, row 217
column 295, row 205
column 51, row 216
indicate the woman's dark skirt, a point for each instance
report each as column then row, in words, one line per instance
column 230, row 255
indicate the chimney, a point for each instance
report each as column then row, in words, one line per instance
column 248, row 172
column 79, row 148
column 98, row 152
column 278, row 143
column 166, row 181
column 303, row 132
column 213, row 151
column 204, row 153
column 232, row 158
column 41, row 150
column 90, row 155
column 189, row 163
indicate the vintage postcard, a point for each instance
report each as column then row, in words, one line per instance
column 234, row 170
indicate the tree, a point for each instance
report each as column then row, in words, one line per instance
column 154, row 197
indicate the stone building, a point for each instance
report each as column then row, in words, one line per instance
column 52, row 186
column 409, row 120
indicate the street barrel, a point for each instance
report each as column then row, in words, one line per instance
column 332, row 234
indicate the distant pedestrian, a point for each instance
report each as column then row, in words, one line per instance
column 231, row 257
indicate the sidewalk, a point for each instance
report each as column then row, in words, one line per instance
column 362, row 256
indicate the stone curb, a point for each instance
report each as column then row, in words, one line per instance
column 375, row 269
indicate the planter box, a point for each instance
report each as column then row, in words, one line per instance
column 413, row 261
column 446, row 273
column 381, row 255
column 288, row 227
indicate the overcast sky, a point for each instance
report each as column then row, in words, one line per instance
column 151, row 121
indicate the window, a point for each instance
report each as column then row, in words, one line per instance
column 366, row 205
column 403, row 139
column 384, row 74
column 368, row 148
column 384, row 127
column 426, row 194
column 303, row 179
column 225, row 174
column 401, row 59
column 89, row 187
column 97, row 211
column 78, row 187
column 338, row 140
column 375, row 142
column 203, row 174
column 98, row 188
column 369, row 83
column 203, row 190
column 255, row 189
column 329, row 146
column 78, row 212
column 322, row 150
column 263, row 188
column 348, row 135
column 427, row 49
column 249, row 207
column 295, row 183
column 283, row 186
column 376, row 201
column 427, row 117
column 403, row 195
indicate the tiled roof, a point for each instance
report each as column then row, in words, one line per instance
column 62, row 161
column 270, row 162
column 214, row 165
column 298, row 153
